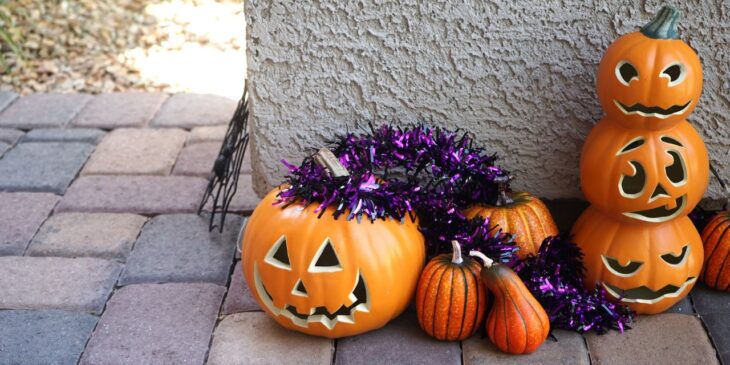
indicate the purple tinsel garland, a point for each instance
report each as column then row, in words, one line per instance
column 435, row 174
column 555, row 278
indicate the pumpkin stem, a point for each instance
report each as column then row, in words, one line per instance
column 456, row 253
column 504, row 197
column 325, row 158
column 664, row 24
column 485, row 260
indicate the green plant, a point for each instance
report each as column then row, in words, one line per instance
column 8, row 37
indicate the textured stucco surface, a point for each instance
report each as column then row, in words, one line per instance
column 518, row 75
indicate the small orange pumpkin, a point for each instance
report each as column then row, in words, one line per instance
column 520, row 214
column 649, row 266
column 450, row 300
column 716, row 238
column 650, row 79
column 329, row 277
column 517, row 323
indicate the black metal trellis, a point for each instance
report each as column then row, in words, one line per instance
column 223, row 180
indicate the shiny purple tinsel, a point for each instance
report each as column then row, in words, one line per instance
column 555, row 278
column 429, row 172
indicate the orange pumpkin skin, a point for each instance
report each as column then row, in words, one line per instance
column 528, row 218
column 360, row 274
column 716, row 238
column 652, row 88
column 517, row 323
column 450, row 299
column 653, row 265
column 610, row 177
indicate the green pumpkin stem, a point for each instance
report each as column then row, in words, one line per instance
column 664, row 24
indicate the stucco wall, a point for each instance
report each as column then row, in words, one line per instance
column 518, row 74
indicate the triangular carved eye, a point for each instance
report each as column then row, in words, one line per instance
column 278, row 255
column 325, row 260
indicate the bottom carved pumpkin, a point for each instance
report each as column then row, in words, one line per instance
column 649, row 266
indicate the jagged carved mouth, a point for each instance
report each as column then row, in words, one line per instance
column 645, row 295
column 659, row 214
column 346, row 314
column 652, row 111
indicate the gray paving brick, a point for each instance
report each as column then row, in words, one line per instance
column 120, row 110
column 6, row 98
column 43, row 110
column 683, row 306
column 194, row 110
column 669, row 338
column 43, row 337
column 88, row 135
column 134, row 194
column 207, row 134
column 39, row 166
column 197, row 159
column 718, row 325
column 81, row 284
column 725, row 357
column 253, row 338
column 239, row 298
column 179, row 248
column 20, row 216
column 707, row 301
column 380, row 344
column 569, row 349
column 102, row 235
column 10, row 136
column 136, row 152
column 4, row 147
column 156, row 324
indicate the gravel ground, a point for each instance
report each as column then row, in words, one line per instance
column 99, row 46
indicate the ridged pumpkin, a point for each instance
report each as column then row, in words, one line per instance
column 649, row 266
column 650, row 79
column 517, row 323
column 330, row 277
column 525, row 216
column 716, row 238
column 450, row 300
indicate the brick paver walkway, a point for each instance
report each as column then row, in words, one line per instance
column 103, row 261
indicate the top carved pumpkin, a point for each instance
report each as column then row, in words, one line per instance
column 650, row 79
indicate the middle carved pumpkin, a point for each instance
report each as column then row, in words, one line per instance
column 643, row 175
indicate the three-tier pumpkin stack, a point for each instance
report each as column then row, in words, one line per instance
column 643, row 169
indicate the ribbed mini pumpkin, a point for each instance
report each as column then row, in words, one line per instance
column 523, row 215
column 716, row 239
column 450, row 300
column 517, row 323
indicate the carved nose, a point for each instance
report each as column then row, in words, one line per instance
column 299, row 289
column 659, row 190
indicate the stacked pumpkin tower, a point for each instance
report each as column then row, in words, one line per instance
column 643, row 169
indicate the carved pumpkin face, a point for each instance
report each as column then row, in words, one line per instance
column 647, row 176
column 650, row 267
column 649, row 83
column 329, row 277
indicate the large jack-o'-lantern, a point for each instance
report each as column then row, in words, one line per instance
column 329, row 277
column 643, row 169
